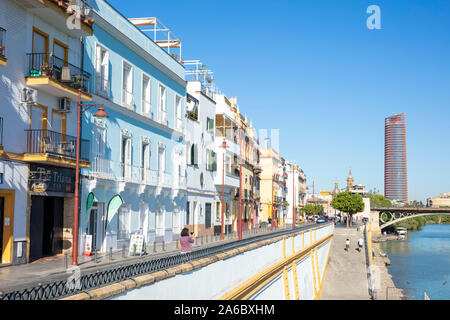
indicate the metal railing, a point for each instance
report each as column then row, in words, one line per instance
column 101, row 85
column 150, row 177
column 93, row 279
column 102, row 168
column 2, row 42
column 48, row 65
column 51, row 142
column 164, row 179
column 127, row 98
column 146, row 107
column 163, row 117
column 130, row 173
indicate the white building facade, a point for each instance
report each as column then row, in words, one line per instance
column 201, row 161
column 39, row 89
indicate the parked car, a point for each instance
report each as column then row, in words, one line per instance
column 321, row 220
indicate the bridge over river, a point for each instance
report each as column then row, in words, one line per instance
column 389, row 216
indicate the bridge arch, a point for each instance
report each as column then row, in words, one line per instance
column 389, row 216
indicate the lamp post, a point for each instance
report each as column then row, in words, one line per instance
column 99, row 114
column 224, row 146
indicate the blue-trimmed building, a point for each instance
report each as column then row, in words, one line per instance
column 138, row 152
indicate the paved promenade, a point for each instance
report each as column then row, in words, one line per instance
column 346, row 274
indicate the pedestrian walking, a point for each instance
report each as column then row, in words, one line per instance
column 360, row 244
column 185, row 240
column 347, row 244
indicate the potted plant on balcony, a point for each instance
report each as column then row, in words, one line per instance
column 47, row 70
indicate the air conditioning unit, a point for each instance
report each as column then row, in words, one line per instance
column 65, row 74
column 64, row 105
column 28, row 96
column 69, row 147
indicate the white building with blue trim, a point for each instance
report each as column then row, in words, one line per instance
column 138, row 152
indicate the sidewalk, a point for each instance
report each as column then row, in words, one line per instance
column 346, row 274
column 50, row 269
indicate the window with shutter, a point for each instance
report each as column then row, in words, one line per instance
column 195, row 155
column 210, row 125
column 208, row 215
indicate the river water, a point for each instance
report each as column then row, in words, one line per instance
column 422, row 262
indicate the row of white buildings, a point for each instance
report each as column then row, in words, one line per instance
column 172, row 152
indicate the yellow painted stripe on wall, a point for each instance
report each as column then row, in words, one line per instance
column 325, row 269
column 314, row 274
column 296, row 289
column 287, row 295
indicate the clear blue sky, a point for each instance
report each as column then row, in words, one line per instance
column 313, row 70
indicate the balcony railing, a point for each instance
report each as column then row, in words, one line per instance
column 101, row 85
column 102, row 168
column 127, row 98
column 130, row 173
column 163, row 117
column 48, row 65
column 149, row 176
column 164, row 179
column 2, row 42
column 51, row 142
column 146, row 108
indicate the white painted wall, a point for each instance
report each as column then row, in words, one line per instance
column 205, row 284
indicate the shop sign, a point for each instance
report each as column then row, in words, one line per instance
column 51, row 179
column 136, row 244
column 88, row 245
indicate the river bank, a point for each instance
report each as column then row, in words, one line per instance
column 381, row 279
column 421, row 262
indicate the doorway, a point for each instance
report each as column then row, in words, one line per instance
column 96, row 226
column 46, row 226
column 195, row 218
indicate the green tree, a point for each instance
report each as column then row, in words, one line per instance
column 378, row 200
column 310, row 209
column 348, row 202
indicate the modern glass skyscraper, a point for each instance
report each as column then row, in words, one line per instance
column 395, row 169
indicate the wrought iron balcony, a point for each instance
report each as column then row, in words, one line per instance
column 101, row 85
column 41, row 141
column 48, row 65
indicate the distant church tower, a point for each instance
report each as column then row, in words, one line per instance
column 350, row 181
column 336, row 189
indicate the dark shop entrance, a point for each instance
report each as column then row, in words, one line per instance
column 46, row 226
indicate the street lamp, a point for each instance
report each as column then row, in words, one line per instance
column 101, row 114
column 224, row 146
